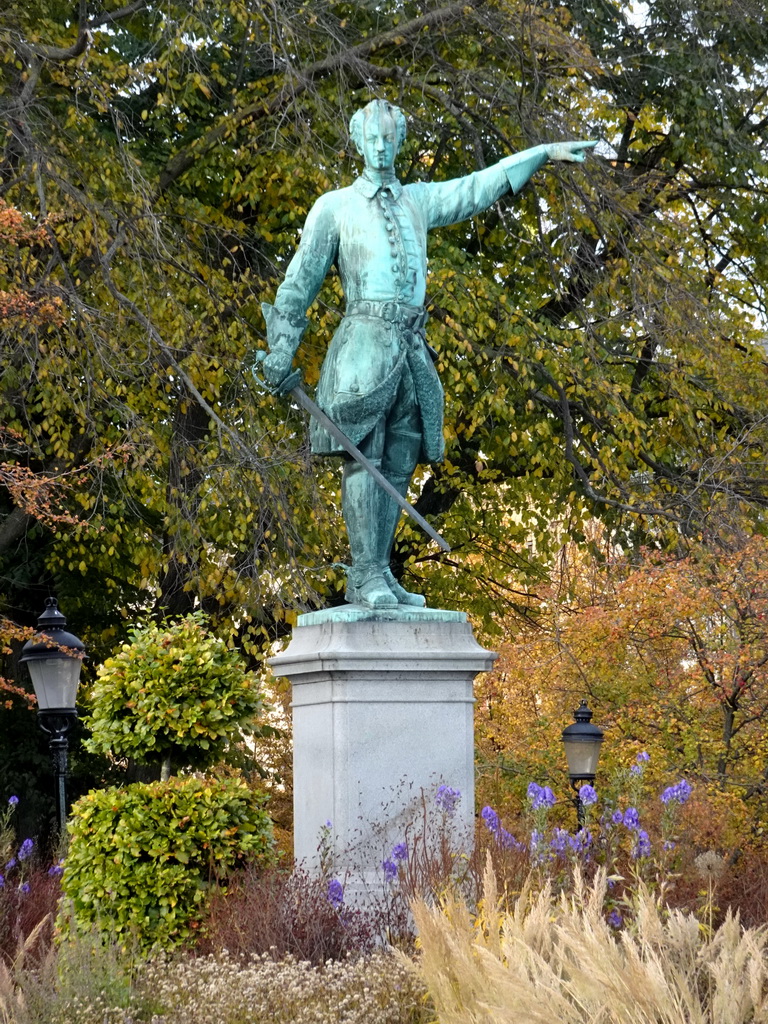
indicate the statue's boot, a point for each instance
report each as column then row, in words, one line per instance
column 403, row 596
column 361, row 508
column 405, row 450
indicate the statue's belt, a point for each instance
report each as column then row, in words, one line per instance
column 411, row 317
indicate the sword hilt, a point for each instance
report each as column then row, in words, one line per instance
column 286, row 384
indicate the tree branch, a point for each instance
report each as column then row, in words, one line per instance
column 67, row 52
column 300, row 82
column 245, row 450
column 110, row 17
column 13, row 527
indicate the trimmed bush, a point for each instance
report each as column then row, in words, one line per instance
column 175, row 692
column 142, row 860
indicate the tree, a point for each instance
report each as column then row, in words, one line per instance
column 33, row 499
column 599, row 336
column 672, row 653
column 144, row 858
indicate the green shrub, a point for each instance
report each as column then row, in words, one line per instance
column 143, row 859
column 175, row 691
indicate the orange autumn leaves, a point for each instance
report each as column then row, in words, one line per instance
column 22, row 243
column 672, row 654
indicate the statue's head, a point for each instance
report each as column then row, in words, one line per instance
column 378, row 131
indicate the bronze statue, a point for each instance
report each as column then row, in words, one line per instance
column 378, row 382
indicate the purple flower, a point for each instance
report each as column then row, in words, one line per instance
column 636, row 769
column 507, row 841
column 581, row 842
column 492, row 822
column 643, row 756
column 678, row 794
column 491, row 819
column 668, row 845
column 56, row 870
column 26, row 848
column 446, row 799
column 390, row 870
column 2, row 881
column 335, row 893
column 540, row 796
column 13, row 800
column 642, row 847
column 400, row 852
column 614, row 919
column 588, row 795
column 11, row 864
column 560, row 840
column 24, row 887
column 617, row 817
column 631, row 818
column 536, row 847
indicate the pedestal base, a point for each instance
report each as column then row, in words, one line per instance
column 382, row 715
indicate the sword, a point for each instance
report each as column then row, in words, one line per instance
column 291, row 386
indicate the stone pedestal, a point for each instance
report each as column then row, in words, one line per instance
column 382, row 715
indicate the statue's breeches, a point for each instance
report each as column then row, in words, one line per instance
column 360, row 383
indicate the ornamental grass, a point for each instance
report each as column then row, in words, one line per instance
column 543, row 959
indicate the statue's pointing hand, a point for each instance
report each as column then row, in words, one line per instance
column 573, row 152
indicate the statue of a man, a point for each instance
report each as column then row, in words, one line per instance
column 378, row 382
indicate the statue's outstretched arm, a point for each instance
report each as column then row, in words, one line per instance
column 461, row 198
column 572, row 152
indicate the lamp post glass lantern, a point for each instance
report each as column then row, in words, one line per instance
column 582, row 749
column 54, row 660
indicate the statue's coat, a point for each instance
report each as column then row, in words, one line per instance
column 377, row 236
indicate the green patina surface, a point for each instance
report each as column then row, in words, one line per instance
column 359, row 613
column 378, row 382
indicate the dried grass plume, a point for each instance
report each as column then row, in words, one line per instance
column 546, row 959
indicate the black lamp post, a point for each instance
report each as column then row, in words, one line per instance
column 54, row 663
column 582, row 749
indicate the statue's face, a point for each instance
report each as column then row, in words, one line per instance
column 379, row 142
